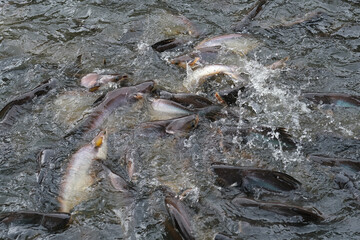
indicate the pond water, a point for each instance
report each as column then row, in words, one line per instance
column 41, row 40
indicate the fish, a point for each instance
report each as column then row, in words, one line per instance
column 221, row 236
column 197, row 77
column 248, row 179
column 336, row 99
column 179, row 217
column 310, row 17
column 176, row 126
column 188, row 100
column 53, row 221
column 351, row 164
column 94, row 81
column 167, row 44
column 236, row 42
column 203, row 55
column 278, row 64
column 250, row 16
column 79, row 177
column 163, row 109
column 9, row 113
column 109, row 103
column 229, row 96
column 307, row 215
column 117, row 182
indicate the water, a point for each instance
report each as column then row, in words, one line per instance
column 42, row 39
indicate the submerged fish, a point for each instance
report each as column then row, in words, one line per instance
column 117, row 182
column 78, row 177
column 93, row 81
column 197, row 77
column 239, row 43
column 229, row 96
column 111, row 101
column 248, row 179
column 176, row 126
column 51, row 221
column 337, row 99
column 351, row 164
column 307, row 215
column 10, row 111
column 250, row 16
column 179, row 217
column 167, row 44
column 203, row 55
column 187, row 99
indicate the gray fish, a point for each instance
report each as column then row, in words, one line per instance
column 307, row 215
column 51, row 221
column 336, row 99
column 248, row 179
column 110, row 102
column 180, row 218
column 187, row 99
column 93, row 81
column 351, row 164
column 9, row 113
column 250, row 16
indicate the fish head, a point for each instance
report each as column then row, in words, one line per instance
column 145, row 87
column 90, row 80
column 99, row 143
column 183, row 125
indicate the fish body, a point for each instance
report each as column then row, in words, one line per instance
column 307, row 215
column 336, row 162
column 239, row 43
column 51, row 221
column 112, row 101
column 93, row 81
column 79, row 177
column 180, row 218
column 202, row 55
column 9, row 113
column 187, row 99
column 249, row 16
column 248, row 179
column 165, row 109
column 197, row 77
column 337, row 99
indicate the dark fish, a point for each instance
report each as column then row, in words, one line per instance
column 187, row 99
column 307, row 215
column 337, row 99
column 179, row 217
column 175, row 126
column 250, row 16
column 51, row 221
column 9, row 113
column 248, row 179
column 167, row 44
column 93, row 81
column 229, row 96
column 203, row 55
column 336, row 162
column 118, row 183
column 111, row 101
column 310, row 17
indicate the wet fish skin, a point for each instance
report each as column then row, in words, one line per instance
column 248, row 179
column 220, row 236
column 337, row 99
column 78, row 177
column 197, row 77
column 219, row 41
column 176, row 126
column 336, row 162
column 93, row 81
column 229, row 96
column 44, row 158
column 168, row 108
column 187, row 99
column 167, row 44
column 51, row 221
column 250, row 16
column 9, row 112
column 112, row 100
column 307, row 215
column 180, row 218
column 118, row 183
column 203, row 55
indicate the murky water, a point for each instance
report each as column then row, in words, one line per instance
column 41, row 40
